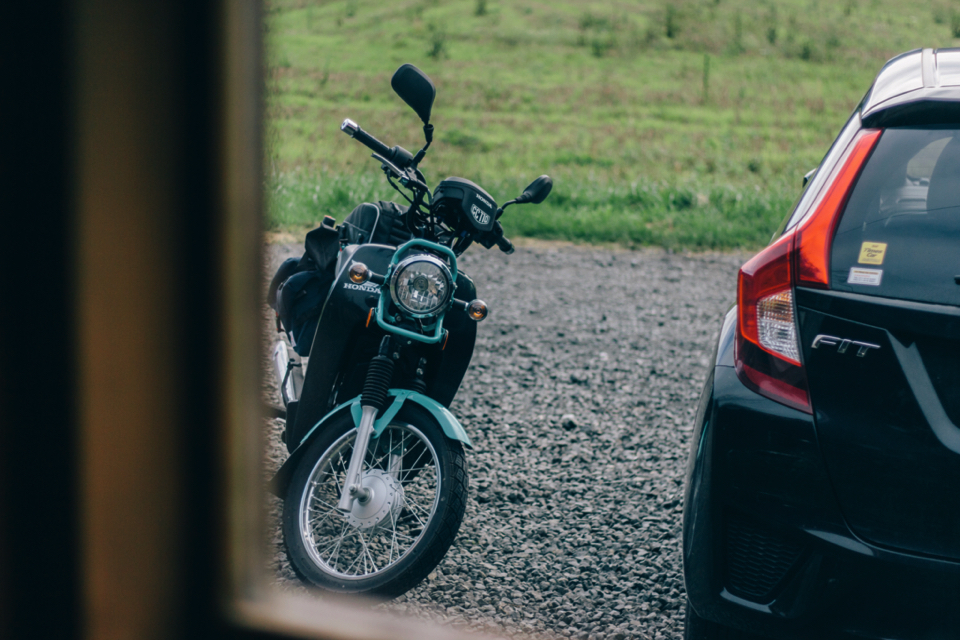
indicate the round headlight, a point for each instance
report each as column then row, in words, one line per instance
column 422, row 286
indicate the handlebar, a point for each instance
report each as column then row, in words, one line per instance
column 353, row 130
column 495, row 237
column 398, row 155
column 399, row 160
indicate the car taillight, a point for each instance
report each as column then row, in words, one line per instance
column 815, row 234
column 768, row 357
column 768, row 352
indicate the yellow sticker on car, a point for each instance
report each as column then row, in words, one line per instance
column 872, row 252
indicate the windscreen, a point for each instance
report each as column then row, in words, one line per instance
column 899, row 236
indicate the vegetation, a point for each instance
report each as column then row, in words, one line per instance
column 678, row 124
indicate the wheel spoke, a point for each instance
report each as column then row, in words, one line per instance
column 315, row 522
column 415, row 462
column 331, row 474
column 339, row 543
column 355, row 562
column 388, row 450
column 366, row 551
column 336, row 543
column 414, row 514
column 393, row 539
column 394, row 466
column 408, row 470
column 403, row 535
column 324, row 503
column 333, row 545
column 336, row 477
column 410, row 502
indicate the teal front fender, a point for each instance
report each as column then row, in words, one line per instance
column 447, row 421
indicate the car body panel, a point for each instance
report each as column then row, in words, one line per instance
column 725, row 345
column 757, row 460
column 889, row 467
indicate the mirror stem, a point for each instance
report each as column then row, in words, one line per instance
column 500, row 210
column 428, row 134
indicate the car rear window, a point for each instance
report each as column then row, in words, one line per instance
column 899, row 236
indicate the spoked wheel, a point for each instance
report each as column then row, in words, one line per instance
column 388, row 543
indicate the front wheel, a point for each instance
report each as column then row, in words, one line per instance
column 388, row 544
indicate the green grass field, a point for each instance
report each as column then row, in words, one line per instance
column 676, row 124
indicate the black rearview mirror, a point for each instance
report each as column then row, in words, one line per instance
column 416, row 89
column 537, row 192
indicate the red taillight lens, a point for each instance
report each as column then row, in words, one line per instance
column 765, row 279
column 815, row 234
column 768, row 351
column 768, row 355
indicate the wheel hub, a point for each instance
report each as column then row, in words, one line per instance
column 384, row 505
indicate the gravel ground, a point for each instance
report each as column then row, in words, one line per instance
column 580, row 401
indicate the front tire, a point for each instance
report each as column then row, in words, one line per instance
column 389, row 544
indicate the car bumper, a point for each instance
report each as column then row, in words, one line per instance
column 766, row 548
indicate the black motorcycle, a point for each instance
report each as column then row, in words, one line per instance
column 383, row 326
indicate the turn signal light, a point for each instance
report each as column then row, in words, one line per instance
column 359, row 273
column 477, row 310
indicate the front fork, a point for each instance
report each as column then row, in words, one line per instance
column 372, row 400
column 351, row 484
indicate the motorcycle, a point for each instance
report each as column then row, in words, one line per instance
column 383, row 325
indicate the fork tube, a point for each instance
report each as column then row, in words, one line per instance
column 373, row 398
column 352, row 488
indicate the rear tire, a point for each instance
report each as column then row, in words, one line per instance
column 389, row 545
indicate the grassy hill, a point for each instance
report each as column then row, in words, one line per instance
column 678, row 124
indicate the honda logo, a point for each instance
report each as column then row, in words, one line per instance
column 842, row 344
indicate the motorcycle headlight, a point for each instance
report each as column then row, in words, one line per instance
column 421, row 285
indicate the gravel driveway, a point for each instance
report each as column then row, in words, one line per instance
column 580, row 401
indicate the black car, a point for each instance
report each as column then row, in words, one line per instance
column 823, row 487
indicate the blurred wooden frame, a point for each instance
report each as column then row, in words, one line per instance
column 144, row 398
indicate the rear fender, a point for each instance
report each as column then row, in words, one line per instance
column 447, row 421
